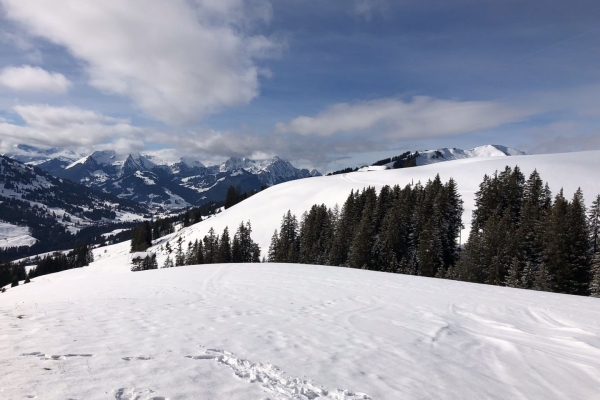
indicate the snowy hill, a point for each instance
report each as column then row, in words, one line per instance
column 257, row 331
column 265, row 210
column 162, row 183
column 427, row 157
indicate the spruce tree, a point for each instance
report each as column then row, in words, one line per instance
column 543, row 280
column 274, row 248
column 528, row 276
column 168, row 263
column 224, row 252
column 594, row 289
column 179, row 254
column 513, row 278
column 556, row 246
column 578, row 255
column 288, row 250
column 360, row 251
column 594, row 224
column 429, row 255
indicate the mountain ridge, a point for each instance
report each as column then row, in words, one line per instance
column 158, row 183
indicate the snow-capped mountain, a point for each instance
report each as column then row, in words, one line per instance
column 35, row 155
column 491, row 150
column 38, row 207
column 161, row 183
column 427, row 157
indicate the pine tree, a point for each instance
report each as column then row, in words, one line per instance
column 595, row 276
column 556, row 246
column 513, row 278
column 543, row 280
column 429, row 255
column 243, row 249
column 360, row 252
column 224, row 252
column 274, row 248
column 179, row 254
column 289, row 241
column 594, row 224
column 578, row 255
column 168, row 263
column 211, row 247
column 141, row 237
column 199, row 253
column 528, row 276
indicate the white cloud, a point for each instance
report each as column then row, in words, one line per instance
column 65, row 127
column 177, row 60
column 33, row 79
column 396, row 119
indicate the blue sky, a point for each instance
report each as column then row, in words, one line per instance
column 322, row 83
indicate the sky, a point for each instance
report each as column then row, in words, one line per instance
column 325, row 84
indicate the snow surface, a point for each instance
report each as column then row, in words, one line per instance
column 276, row 331
column 15, row 236
column 265, row 209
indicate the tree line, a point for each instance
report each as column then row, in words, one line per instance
column 521, row 236
column 235, row 196
column 524, row 237
column 80, row 256
column 411, row 230
column 212, row 249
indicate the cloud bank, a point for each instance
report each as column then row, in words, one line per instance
column 418, row 118
column 177, row 61
column 65, row 127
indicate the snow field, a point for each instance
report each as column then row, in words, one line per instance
column 277, row 331
column 15, row 236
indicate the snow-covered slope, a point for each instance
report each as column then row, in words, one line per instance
column 15, row 236
column 264, row 210
column 492, row 150
column 426, row 157
column 275, row 331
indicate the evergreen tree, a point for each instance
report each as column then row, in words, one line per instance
column 528, row 276
column 594, row 289
column 168, row 263
column 360, row 251
column 141, row 237
column 231, row 198
column 429, row 255
column 513, row 278
column 211, row 247
column 288, row 247
column 243, row 249
column 224, row 252
column 274, row 248
column 578, row 256
column 542, row 280
column 179, row 254
column 594, row 224
column 556, row 247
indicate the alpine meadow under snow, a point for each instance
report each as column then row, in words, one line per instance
column 290, row 331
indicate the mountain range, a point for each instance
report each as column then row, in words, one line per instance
column 160, row 184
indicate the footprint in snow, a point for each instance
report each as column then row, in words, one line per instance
column 140, row 358
column 274, row 380
column 136, row 394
